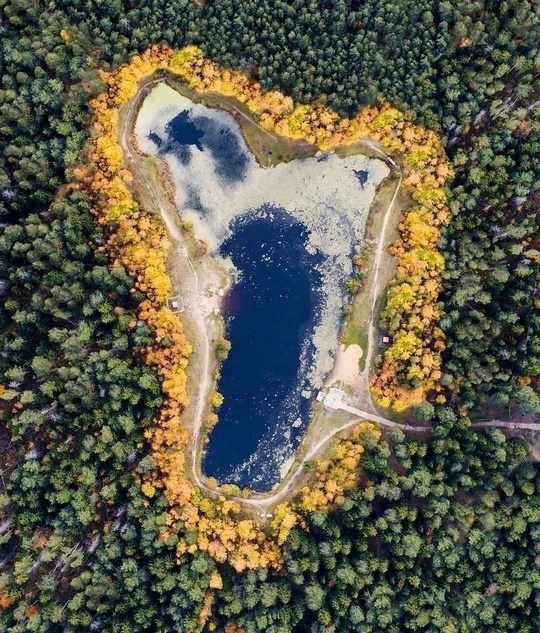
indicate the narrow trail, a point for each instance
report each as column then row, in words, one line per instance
column 193, row 291
column 263, row 502
column 191, row 284
column 530, row 426
column 375, row 289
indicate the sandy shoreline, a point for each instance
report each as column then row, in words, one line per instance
column 346, row 369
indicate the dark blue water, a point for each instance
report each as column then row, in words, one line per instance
column 220, row 138
column 362, row 175
column 270, row 315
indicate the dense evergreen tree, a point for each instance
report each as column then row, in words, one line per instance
column 442, row 534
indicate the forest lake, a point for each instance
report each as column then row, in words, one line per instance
column 287, row 237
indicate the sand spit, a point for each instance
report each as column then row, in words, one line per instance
column 324, row 193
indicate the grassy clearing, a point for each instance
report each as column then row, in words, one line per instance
column 357, row 148
column 355, row 334
column 358, row 316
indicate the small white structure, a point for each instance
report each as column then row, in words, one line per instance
column 176, row 304
column 333, row 398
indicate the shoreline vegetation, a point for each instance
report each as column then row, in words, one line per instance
column 426, row 173
column 315, row 191
column 218, row 526
column 137, row 240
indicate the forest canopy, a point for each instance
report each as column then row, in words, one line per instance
column 438, row 534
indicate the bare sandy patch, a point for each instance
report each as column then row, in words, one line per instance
column 346, row 368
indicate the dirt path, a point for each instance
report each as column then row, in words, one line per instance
column 530, row 426
column 264, row 502
column 362, row 384
column 269, row 500
column 379, row 253
column 200, row 308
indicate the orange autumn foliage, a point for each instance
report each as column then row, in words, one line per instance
column 5, row 600
column 411, row 314
column 138, row 241
column 339, row 472
column 32, row 610
column 206, row 611
column 333, row 476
